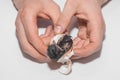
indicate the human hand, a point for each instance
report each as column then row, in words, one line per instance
column 26, row 26
column 91, row 28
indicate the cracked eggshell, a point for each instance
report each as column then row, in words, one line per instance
column 68, row 54
column 56, row 38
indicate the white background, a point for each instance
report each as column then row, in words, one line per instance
column 102, row 66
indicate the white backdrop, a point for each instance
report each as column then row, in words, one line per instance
column 102, row 66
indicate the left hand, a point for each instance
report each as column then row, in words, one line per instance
column 92, row 30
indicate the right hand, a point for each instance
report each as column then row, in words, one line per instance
column 26, row 26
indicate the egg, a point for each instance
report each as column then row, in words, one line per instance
column 60, row 50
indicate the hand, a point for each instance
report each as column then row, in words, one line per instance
column 92, row 29
column 26, row 26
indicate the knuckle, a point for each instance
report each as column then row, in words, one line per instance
column 25, row 11
column 104, row 26
column 57, row 7
column 41, row 59
column 16, row 21
column 23, row 14
column 97, row 46
column 17, row 26
column 30, row 39
column 83, row 55
column 28, row 51
column 25, row 49
column 38, row 58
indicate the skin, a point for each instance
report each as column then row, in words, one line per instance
column 92, row 30
column 90, row 36
column 27, row 30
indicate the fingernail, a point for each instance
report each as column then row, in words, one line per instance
column 58, row 29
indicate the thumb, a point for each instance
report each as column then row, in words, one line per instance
column 64, row 20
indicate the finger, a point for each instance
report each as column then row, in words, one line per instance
column 80, row 44
column 95, row 31
column 86, row 42
column 82, row 32
column 42, row 15
column 89, row 47
column 48, row 32
column 53, row 12
column 65, row 18
column 26, row 47
column 86, row 51
column 76, row 41
column 93, row 44
column 29, row 20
